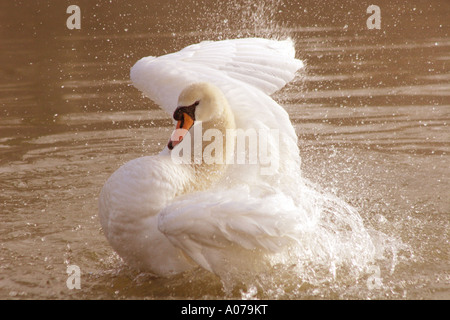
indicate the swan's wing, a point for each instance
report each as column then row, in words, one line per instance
column 259, row 63
column 230, row 226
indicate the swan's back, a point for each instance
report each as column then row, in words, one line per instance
column 259, row 63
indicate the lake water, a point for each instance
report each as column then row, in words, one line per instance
column 371, row 110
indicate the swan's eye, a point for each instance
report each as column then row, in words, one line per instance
column 189, row 110
column 181, row 122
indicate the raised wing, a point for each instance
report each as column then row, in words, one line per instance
column 260, row 63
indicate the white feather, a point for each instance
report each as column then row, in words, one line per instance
column 261, row 63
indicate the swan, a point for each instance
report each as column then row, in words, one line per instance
column 165, row 216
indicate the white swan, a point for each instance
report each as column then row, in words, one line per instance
column 165, row 217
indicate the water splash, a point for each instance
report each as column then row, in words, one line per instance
column 233, row 19
column 249, row 19
column 331, row 249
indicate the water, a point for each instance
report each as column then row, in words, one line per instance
column 371, row 111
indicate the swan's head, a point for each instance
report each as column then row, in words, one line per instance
column 197, row 102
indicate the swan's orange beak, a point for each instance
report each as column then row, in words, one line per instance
column 181, row 130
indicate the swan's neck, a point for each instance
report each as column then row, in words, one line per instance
column 217, row 147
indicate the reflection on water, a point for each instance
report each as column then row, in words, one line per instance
column 371, row 111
